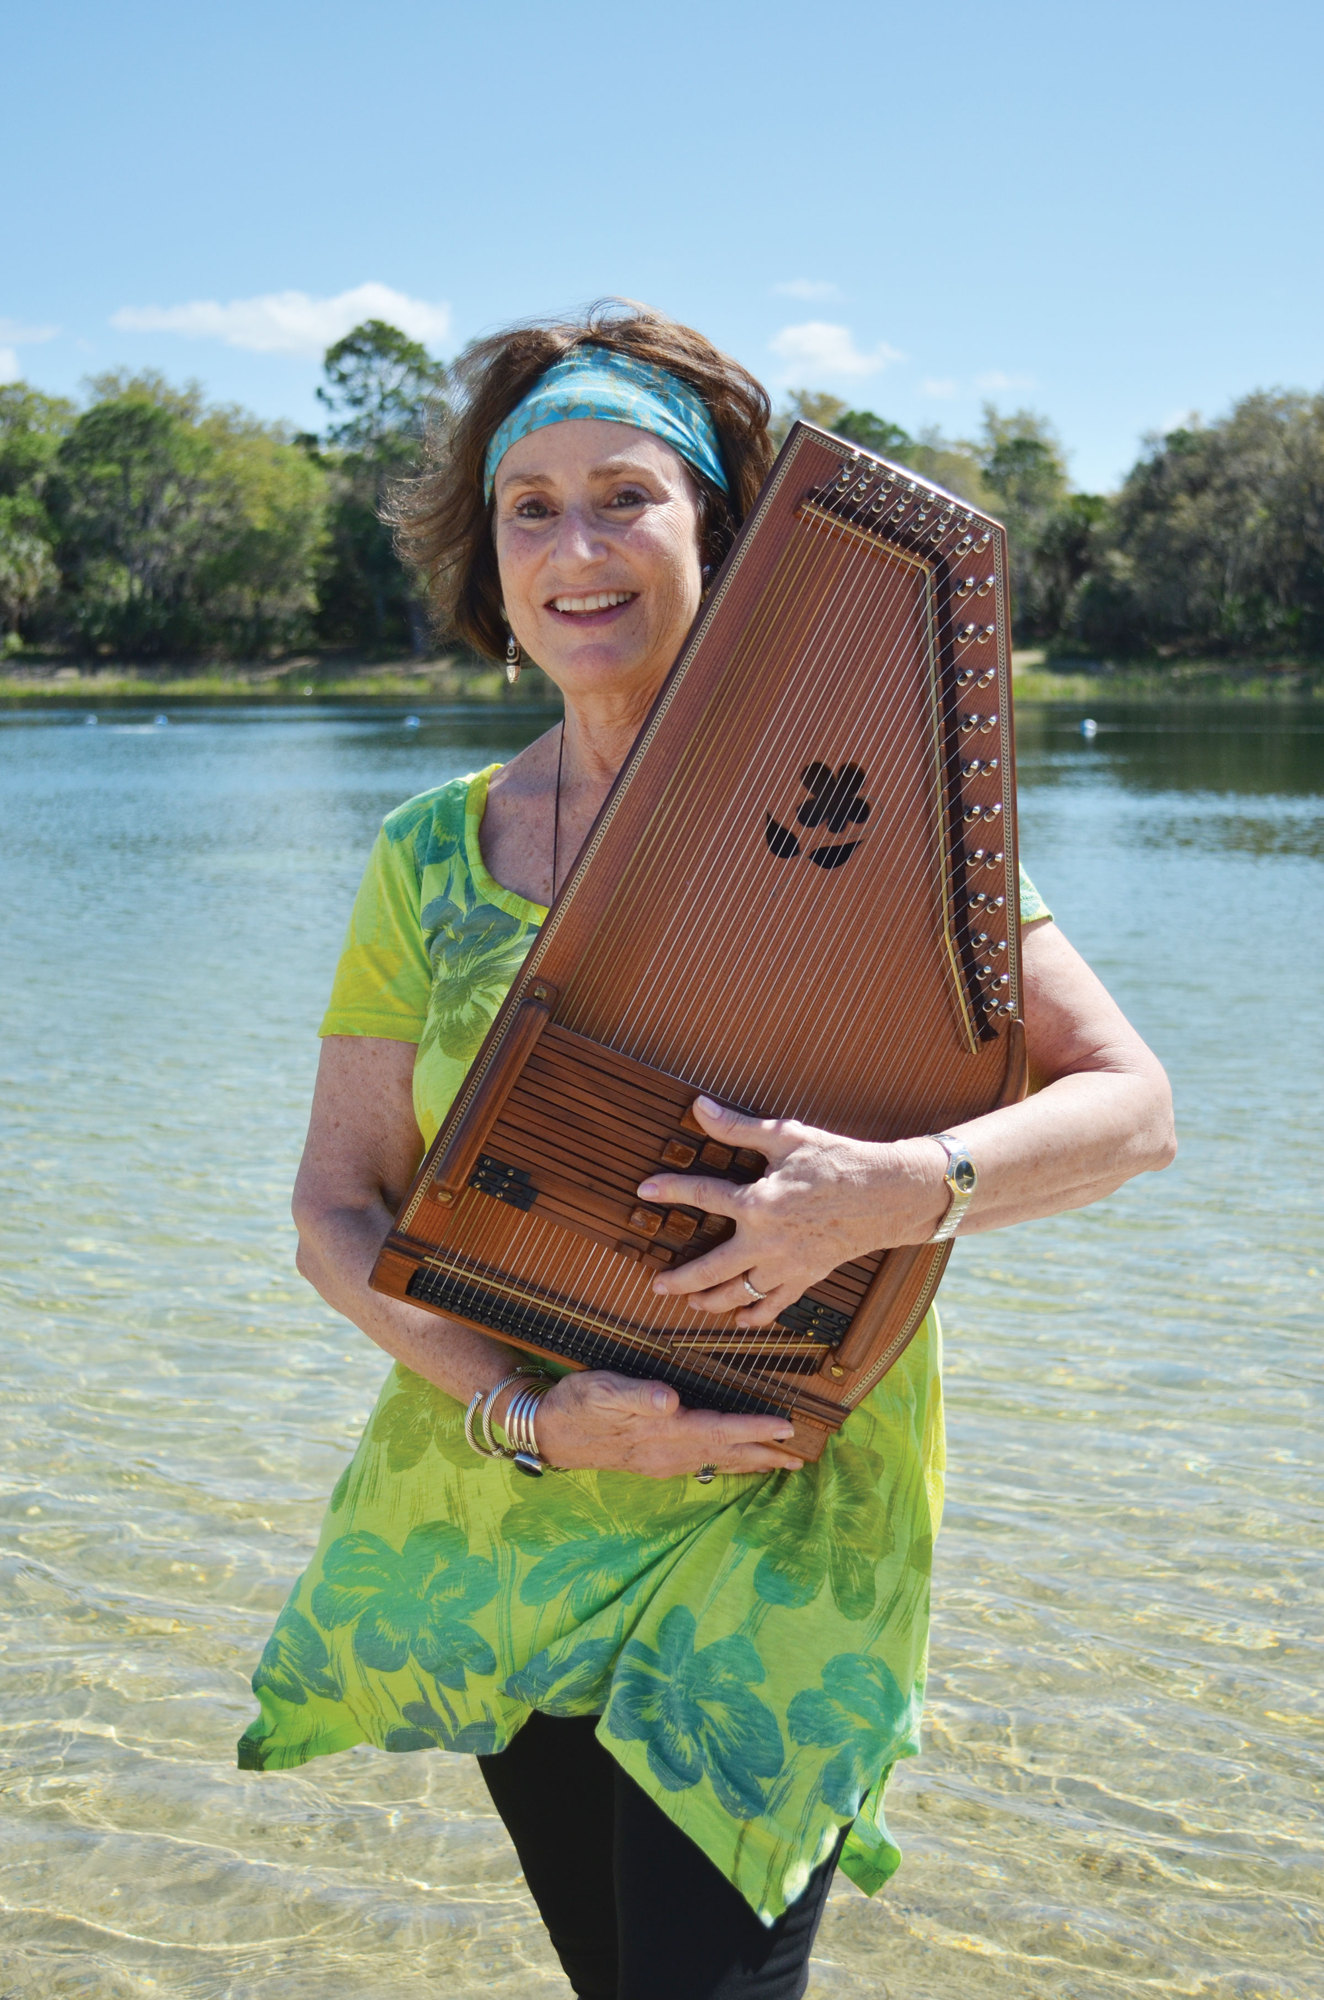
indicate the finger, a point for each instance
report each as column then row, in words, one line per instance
column 772, row 1137
column 694, row 1191
column 715, row 1267
column 712, row 1432
column 757, row 1458
column 623, row 1393
column 734, row 1296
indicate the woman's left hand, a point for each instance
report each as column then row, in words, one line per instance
column 822, row 1201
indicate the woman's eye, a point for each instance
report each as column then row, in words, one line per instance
column 531, row 509
column 629, row 496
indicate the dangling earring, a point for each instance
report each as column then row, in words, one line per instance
column 514, row 659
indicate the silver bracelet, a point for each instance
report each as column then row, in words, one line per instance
column 484, row 1399
column 520, row 1413
column 489, row 1406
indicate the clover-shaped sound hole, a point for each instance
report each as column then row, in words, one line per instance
column 834, row 803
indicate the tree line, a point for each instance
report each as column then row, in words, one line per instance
column 148, row 524
column 1213, row 546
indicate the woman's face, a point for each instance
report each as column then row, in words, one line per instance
column 597, row 541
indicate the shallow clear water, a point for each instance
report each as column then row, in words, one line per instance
column 1120, row 1792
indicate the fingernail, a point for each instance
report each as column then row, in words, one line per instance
column 646, row 1188
column 713, row 1110
column 661, row 1399
column 783, row 1435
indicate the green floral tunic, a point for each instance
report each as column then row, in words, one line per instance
column 755, row 1648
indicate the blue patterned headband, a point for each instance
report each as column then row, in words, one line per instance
column 599, row 382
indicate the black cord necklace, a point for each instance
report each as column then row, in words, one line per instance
column 556, row 810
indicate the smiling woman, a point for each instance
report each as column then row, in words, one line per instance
column 689, row 1661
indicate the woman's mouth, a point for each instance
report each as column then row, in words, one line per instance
column 593, row 606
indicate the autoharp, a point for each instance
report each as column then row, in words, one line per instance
column 800, row 898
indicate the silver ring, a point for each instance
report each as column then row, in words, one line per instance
column 706, row 1474
column 753, row 1290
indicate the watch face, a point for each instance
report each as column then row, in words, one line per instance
column 963, row 1176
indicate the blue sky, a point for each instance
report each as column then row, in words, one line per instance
column 1110, row 213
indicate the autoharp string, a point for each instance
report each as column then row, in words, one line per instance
column 850, row 610
column 807, row 555
column 843, row 606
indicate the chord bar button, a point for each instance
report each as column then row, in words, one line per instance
column 677, row 1153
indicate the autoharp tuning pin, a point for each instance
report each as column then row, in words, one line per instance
column 966, row 542
column 973, row 768
column 965, row 633
column 972, row 813
column 964, row 678
column 983, row 541
column 911, row 489
column 966, row 517
column 987, row 632
column 964, row 587
column 987, row 678
column 973, row 721
column 988, row 725
column 989, row 583
column 1001, row 945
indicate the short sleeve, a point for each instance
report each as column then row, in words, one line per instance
column 1033, row 905
column 384, row 977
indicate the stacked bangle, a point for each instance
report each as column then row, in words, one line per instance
column 523, row 1446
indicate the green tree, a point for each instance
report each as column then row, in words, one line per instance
column 32, row 426
column 379, row 388
column 1217, row 542
column 1024, row 470
column 29, row 575
column 182, row 530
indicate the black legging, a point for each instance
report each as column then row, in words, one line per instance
column 635, row 1910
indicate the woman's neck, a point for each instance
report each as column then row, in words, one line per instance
column 598, row 738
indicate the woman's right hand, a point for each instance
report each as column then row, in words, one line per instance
column 601, row 1422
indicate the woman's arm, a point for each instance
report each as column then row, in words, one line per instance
column 361, row 1153
column 1101, row 1112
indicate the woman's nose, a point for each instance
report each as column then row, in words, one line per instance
column 579, row 540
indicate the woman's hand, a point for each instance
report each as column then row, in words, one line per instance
column 823, row 1200
column 610, row 1423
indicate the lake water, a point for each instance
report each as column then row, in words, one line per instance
column 1120, row 1791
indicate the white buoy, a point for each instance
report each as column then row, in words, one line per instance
column 161, row 721
column 1089, row 728
column 411, row 722
column 308, row 689
column 89, row 722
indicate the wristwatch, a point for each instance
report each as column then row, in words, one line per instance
column 962, row 1177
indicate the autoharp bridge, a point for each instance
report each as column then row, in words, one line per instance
column 799, row 899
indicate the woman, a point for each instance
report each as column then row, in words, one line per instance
column 686, row 1693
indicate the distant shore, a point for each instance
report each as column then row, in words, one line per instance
column 455, row 678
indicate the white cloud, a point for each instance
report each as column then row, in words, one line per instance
column 289, row 322
column 807, row 288
column 24, row 336
column 994, row 379
column 9, row 368
column 818, row 348
column 938, row 385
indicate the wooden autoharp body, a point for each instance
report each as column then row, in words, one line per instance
column 800, row 898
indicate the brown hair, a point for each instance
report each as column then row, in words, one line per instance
column 443, row 523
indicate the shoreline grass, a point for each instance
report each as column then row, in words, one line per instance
column 457, row 678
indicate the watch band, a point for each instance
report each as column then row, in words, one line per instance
column 961, row 1179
